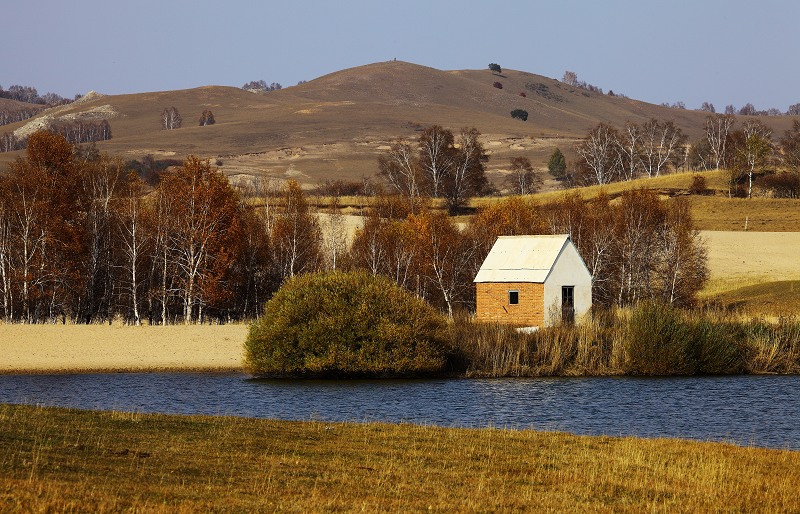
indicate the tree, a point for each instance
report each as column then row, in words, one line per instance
column 570, row 78
column 730, row 109
column 468, row 176
column 400, row 167
column 790, row 147
column 717, row 129
column 205, row 236
column 495, row 68
column 207, row 118
column 660, row 141
column 708, row 107
column 296, row 235
column 436, row 156
column 752, row 152
column 793, row 110
column 522, row 180
column 557, row 164
column 599, row 155
column 520, row 114
column 630, row 147
column 170, row 118
column 133, row 237
column 748, row 109
column 444, row 257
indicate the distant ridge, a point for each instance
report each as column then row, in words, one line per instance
column 335, row 126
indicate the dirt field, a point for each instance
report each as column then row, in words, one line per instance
column 739, row 259
column 71, row 348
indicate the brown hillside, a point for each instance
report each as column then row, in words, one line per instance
column 334, row 127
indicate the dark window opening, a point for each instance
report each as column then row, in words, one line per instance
column 513, row 297
column 568, row 304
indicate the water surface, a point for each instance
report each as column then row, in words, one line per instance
column 749, row 410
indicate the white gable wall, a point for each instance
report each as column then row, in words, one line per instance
column 568, row 270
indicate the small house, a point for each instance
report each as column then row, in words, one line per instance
column 533, row 281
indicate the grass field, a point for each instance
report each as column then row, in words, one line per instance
column 58, row 460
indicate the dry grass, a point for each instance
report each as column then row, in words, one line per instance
column 63, row 460
column 781, row 298
column 73, row 348
column 743, row 259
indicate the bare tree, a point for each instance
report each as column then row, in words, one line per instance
column 468, row 177
column 708, row 107
column 400, row 168
column 660, row 141
column 717, row 130
column 522, row 180
column 599, row 154
column 630, row 143
column 570, row 78
column 436, row 156
column 170, row 118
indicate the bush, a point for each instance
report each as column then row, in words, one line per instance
column 698, row 186
column 498, row 85
column 520, row 114
column 659, row 340
column 346, row 325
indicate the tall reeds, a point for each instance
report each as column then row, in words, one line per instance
column 650, row 339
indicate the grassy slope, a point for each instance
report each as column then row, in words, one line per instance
column 335, row 126
column 62, row 460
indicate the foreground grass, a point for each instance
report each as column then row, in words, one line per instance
column 54, row 459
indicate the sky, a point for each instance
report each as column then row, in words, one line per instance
column 719, row 51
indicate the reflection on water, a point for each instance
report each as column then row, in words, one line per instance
column 750, row 410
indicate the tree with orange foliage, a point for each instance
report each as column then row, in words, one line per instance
column 444, row 257
column 46, row 238
column 204, row 236
column 296, row 235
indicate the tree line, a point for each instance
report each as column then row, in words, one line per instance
column 83, row 238
column 749, row 154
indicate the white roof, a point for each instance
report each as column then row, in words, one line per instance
column 522, row 258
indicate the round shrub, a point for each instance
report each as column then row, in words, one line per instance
column 520, row 114
column 346, row 325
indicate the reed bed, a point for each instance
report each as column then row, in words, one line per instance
column 650, row 339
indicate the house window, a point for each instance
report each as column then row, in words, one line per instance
column 568, row 304
column 513, row 297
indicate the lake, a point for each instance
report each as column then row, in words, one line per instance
column 748, row 410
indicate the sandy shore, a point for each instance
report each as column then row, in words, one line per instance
column 90, row 348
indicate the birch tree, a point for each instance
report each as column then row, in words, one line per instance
column 718, row 129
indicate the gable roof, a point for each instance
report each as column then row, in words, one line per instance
column 522, row 258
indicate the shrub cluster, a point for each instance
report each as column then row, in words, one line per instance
column 346, row 325
column 650, row 339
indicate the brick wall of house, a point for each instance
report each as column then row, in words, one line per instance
column 492, row 303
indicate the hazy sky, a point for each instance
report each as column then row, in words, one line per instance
column 722, row 51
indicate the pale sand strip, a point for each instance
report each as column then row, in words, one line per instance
column 87, row 348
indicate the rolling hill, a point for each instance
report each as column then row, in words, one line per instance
column 334, row 127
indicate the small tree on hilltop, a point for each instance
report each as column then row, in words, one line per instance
column 495, row 68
